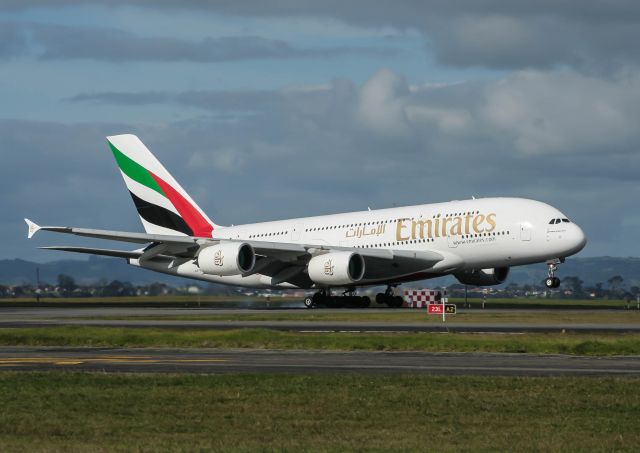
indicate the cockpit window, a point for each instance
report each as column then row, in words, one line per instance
column 552, row 221
column 566, row 220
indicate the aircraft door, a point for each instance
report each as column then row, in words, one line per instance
column 296, row 232
column 525, row 231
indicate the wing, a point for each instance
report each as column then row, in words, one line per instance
column 283, row 262
column 180, row 246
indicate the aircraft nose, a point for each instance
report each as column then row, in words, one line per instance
column 579, row 239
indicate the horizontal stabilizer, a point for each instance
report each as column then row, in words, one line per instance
column 33, row 228
column 92, row 251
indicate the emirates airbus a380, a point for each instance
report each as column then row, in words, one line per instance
column 475, row 240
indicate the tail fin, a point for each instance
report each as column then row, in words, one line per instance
column 163, row 205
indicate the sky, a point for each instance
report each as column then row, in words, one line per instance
column 266, row 110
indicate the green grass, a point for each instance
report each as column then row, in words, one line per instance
column 417, row 316
column 583, row 344
column 326, row 412
column 514, row 302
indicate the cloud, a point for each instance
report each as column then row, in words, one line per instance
column 13, row 41
column 245, row 100
column 382, row 104
column 528, row 113
column 564, row 112
column 227, row 159
column 56, row 42
column 592, row 36
column 560, row 136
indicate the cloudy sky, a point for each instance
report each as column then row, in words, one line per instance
column 273, row 109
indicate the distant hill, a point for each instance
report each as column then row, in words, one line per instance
column 590, row 270
column 85, row 272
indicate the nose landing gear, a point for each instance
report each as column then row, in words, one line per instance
column 552, row 281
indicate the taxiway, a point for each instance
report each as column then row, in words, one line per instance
column 273, row 361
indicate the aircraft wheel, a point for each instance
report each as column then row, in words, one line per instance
column 366, row 302
column 309, row 302
column 550, row 282
column 556, row 282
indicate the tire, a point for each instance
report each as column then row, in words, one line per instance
column 556, row 282
column 550, row 282
column 309, row 302
column 366, row 302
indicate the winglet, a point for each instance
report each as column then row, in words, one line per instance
column 33, row 228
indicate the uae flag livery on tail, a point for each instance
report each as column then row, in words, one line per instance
column 163, row 205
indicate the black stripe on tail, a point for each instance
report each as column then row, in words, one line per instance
column 160, row 216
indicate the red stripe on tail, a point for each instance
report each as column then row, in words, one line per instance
column 195, row 220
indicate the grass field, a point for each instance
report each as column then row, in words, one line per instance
column 326, row 412
column 583, row 344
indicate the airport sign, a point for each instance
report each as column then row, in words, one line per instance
column 436, row 309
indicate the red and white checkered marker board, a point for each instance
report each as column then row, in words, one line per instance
column 420, row 298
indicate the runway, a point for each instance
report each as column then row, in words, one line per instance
column 336, row 326
column 276, row 361
column 91, row 316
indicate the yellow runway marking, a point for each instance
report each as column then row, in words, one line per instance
column 33, row 360
column 124, row 356
column 197, row 360
column 18, row 361
column 132, row 360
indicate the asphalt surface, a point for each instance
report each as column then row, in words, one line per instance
column 45, row 317
column 227, row 361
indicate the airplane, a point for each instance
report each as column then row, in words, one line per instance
column 476, row 240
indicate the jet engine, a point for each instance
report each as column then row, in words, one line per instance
column 336, row 268
column 227, row 258
column 483, row 277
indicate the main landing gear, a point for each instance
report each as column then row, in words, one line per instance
column 552, row 281
column 389, row 299
column 323, row 298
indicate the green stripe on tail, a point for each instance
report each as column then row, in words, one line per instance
column 135, row 171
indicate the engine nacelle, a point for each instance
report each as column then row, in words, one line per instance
column 336, row 268
column 227, row 258
column 483, row 277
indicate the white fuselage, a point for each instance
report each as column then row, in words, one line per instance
column 471, row 234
